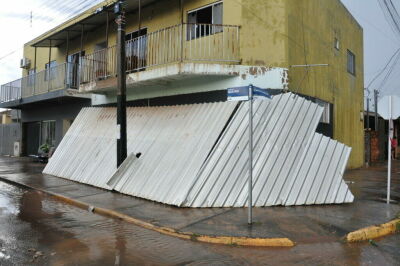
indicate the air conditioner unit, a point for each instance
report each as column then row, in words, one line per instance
column 25, row 63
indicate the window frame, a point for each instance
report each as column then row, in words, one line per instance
column 193, row 31
column 352, row 56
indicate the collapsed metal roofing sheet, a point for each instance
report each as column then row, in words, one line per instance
column 173, row 141
column 196, row 155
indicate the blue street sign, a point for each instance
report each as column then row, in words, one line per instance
column 242, row 93
column 259, row 92
column 238, row 93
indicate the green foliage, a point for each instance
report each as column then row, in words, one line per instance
column 45, row 148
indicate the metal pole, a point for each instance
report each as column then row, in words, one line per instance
column 121, row 83
column 250, row 215
column 107, row 25
column 376, row 109
column 67, row 81
column 139, row 17
column 368, row 113
column 48, row 70
column 389, row 151
column 34, row 76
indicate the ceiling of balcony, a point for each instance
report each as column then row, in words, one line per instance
column 87, row 21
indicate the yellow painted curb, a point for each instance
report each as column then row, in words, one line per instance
column 225, row 240
column 372, row 232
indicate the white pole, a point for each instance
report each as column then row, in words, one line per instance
column 250, row 218
column 389, row 151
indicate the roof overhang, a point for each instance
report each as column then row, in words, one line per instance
column 85, row 22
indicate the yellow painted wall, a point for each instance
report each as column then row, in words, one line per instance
column 313, row 26
column 277, row 33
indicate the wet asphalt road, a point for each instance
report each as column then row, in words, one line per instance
column 36, row 229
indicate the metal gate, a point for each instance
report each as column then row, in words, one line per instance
column 9, row 133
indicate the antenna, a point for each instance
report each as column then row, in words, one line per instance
column 31, row 18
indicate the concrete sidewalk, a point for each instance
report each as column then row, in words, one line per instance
column 300, row 224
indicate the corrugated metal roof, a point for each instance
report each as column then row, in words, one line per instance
column 196, row 155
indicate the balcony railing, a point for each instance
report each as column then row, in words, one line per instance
column 180, row 43
column 209, row 43
column 52, row 79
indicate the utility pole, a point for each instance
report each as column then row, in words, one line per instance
column 376, row 109
column 121, row 83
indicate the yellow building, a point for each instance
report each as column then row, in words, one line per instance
column 200, row 48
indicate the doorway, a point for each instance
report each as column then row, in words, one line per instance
column 136, row 50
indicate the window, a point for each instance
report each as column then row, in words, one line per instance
column 326, row 115
column 336, row 44
column 205, row 21
column 351, row 63
column 50, row 69
column 48, row 133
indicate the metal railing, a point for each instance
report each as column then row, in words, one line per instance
column 52, row 79
column 180, row 43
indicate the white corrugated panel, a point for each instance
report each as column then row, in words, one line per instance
column 174, row 141
column 197, row 155
column 288, row 156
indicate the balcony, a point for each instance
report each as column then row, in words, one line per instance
column 156, row 55
column 170, row 53
column 49, row 83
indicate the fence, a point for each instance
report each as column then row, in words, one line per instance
column 9, row 133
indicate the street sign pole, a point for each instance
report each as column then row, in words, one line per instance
column 250, row 215
column 248, row 93
column 389, row 151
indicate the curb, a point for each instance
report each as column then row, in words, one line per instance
column 224, row 240
column 374, row 231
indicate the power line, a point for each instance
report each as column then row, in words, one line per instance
column 80, row 10
column 387, row 64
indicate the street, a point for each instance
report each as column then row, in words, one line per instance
column 36, row 229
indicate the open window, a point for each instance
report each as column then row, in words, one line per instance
column 205, row 21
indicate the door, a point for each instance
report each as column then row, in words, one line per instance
column 136, row 50
column 32, row 137
column 73, row 69
column 100, row 60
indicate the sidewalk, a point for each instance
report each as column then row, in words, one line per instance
column 300, row 224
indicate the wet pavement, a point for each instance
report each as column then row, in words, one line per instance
column 31, row 221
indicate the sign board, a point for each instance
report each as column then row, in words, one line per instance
column 260, row 93
column 389, row 107
column 242, row 93
column 238, row 93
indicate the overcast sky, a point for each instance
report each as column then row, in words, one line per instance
column 380, row 42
